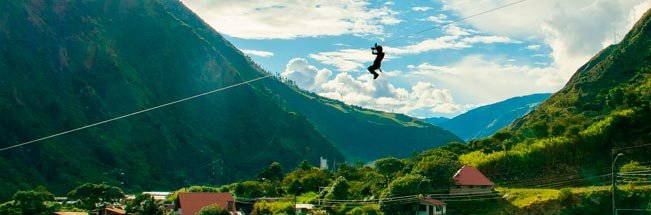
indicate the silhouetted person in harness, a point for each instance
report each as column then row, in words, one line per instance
column 376, row 50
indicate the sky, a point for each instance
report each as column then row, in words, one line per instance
column 324, row 46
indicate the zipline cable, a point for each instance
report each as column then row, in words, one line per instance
column 134, row 113
column 456, row 21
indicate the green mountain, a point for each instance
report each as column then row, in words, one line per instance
column 360, row 134
column 605, row 105
column 363, row 134
column 436, row 120
column 66, row 64
column 486, row 120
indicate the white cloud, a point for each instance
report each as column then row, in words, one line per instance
column 533, row 47
column 574, row 30
column 287, row 19
column 257, row 53
column 305, row 75
column 421, row 9
column 422, row 99
column 438, row 19
column 348, row 60
column 344, row 59
column 478, row 79
column 487, row 39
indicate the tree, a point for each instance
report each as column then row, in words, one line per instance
column 304, row 165
column 33, row 202
column 213, row 209
column 249, row 189
column 389, row 166
column 438, row 170
column 8, row 208
column 338, row 189
column 145, row 205
column 365, row 210
column 273, row 172
column 348, row 172
column 404, row 186
column 455, row 147
column 315, row 179
column 90, row 196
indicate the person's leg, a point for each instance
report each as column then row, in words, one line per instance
column 372, row 69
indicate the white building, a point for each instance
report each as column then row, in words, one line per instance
column 324, row 163
column 429, row 206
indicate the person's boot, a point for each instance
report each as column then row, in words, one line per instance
column 375, row 75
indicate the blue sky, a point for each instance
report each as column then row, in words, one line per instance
column 324, row 46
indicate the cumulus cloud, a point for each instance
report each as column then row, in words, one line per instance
column 305, row 75
column 422, row 99
column 562, row 25
column 480, row 79
column 287, row 19
column 257, row 53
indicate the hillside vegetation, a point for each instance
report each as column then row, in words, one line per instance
column 605, row 105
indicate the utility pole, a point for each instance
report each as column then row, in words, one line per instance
column 613, row 174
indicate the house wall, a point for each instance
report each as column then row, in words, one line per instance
column 470, row 189
column 432, row 210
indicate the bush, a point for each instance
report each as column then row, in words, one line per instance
column 567, row 198
column 213, row 210
column 269, row 208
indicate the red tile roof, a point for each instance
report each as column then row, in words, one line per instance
column 430, row 201
column 115, row 211
column 191, row 203
column 469, row 176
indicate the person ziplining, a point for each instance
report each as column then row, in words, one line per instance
column 377, row 63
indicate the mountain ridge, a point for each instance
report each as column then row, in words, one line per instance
column 486, row 120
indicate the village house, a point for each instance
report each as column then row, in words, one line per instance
column 470, row 180
column 429, row 206
column 70, row 213
column 302, row 209
column 191, row 203
column 103, row 211
column 112, row 211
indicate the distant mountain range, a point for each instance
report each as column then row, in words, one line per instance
column 436, row 120
column 486, row 120
column 66, row 64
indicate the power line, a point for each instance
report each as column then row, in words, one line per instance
column 134, row 113
column 630, row 147
column 456, row 21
